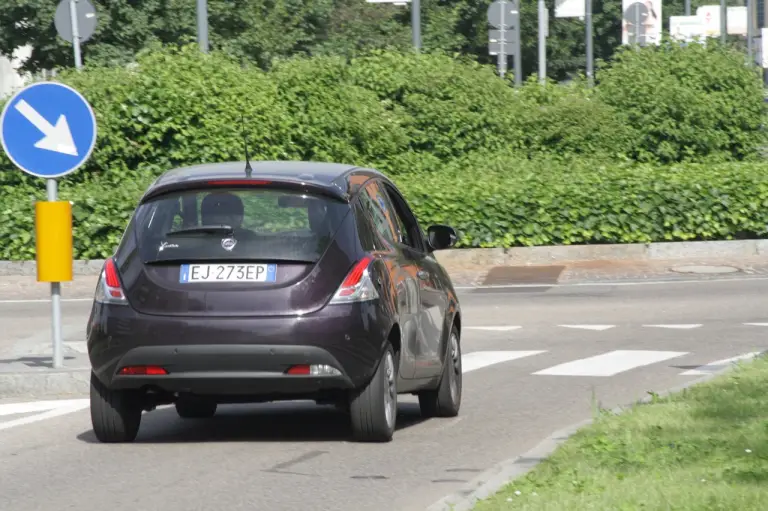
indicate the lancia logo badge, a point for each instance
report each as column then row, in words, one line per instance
column 228, row 244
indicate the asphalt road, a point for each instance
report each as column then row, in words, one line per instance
column 537, row 375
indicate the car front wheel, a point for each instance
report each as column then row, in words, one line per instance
column 374, row 409
column 445, row 401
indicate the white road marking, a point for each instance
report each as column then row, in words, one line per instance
column 617, row 283
column 610, row 364
column 479, row 359
column 54, row 409
column 589, row 327
column 756, row 324
column 46, row 300
column 718, row 365
column 493, row 328
column 677, row 327
column 37, row 406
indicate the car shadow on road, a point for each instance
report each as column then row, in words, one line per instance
column 273, row 422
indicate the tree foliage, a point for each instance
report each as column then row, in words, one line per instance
column 260, row 31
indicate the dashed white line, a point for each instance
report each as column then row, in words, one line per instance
column 756, row 324
column 493, row 328
column 719, row 364
column 676, row 327
column 589, row 327
column 479, row 359
column 54, row 409
column 610, row 364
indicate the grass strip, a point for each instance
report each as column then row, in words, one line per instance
column 705, row 448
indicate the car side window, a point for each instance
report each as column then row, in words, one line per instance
column 376, row 207
column 406, row 220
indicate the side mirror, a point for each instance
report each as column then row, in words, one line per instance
column 441, row 237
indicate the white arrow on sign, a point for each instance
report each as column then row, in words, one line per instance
column 57, row 138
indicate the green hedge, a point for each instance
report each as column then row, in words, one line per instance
column 493, row 200
column 506, row 166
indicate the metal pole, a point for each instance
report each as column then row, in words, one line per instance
column 590, row 49
column 723, row 21
column 75, row 33
column 542, row 42
column 750, row 21
column 58, row 356
column 687, row 7
column 518, row 66
column 416, row 23
column 202, row 25
column 502, row 57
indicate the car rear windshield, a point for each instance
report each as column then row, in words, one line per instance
column 237, row 224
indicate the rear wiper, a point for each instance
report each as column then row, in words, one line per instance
column 203, row 229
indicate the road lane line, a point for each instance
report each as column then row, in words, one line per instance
column 589, row 327
column 38, row 406
column 678, row 327
column 56, row 412
column 493, row 328
column 479, row 359
column 717, row 365
column 756, row 324
column 610, row 363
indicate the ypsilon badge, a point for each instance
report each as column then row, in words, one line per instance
column 228, row 244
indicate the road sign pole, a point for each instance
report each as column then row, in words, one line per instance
column 518, row 66
column 502, row 57
column 687, row 7
column 58, row 354
column 723, row 21
column 416, row 23
column 750, row 35
column 590, row 48
column 202, row 25
column 542, row 42
column 75, row 33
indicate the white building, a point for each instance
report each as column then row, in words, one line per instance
column 10, row 78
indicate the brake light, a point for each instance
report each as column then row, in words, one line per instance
column 109, row 289
column 357, row 286
column 300, row 369
column 239, row 182
column 143, row 371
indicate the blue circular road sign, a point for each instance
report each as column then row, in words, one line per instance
column 48, row 129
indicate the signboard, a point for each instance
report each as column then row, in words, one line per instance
column 685, row 28
column 86, row 20
column 48, row 129
column 570, row 8
column 709, row 16
column 641, row 22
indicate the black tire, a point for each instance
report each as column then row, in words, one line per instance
column 115, row 414
column 445, row 401
column 373, row 409
column 192, row 408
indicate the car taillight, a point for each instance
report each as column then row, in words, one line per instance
column 109, row 289
column 142, row 371
column 357, row 286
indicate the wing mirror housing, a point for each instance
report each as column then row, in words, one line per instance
column 441, row 237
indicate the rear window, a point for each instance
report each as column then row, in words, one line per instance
column 275, row 225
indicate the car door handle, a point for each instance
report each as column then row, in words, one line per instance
column 423, row 275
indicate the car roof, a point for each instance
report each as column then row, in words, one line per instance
column 337, row 179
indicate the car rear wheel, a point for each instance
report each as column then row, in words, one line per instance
column 446, row 400
column 115, row 414
column 195, row 408
column 374, row 408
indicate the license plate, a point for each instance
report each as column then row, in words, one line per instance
column 227, row 273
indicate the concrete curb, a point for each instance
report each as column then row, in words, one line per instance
column 491, row 481
column 525, row 255
column 46, row 383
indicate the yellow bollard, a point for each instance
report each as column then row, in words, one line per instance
column 53, row 239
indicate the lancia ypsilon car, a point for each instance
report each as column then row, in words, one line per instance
column 278, row 281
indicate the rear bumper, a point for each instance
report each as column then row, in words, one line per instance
column 238, row 356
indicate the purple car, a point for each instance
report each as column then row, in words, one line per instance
column 280, row 281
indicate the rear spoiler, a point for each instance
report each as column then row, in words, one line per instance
column 265, row 182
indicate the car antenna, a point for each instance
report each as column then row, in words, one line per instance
column 248, row 168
